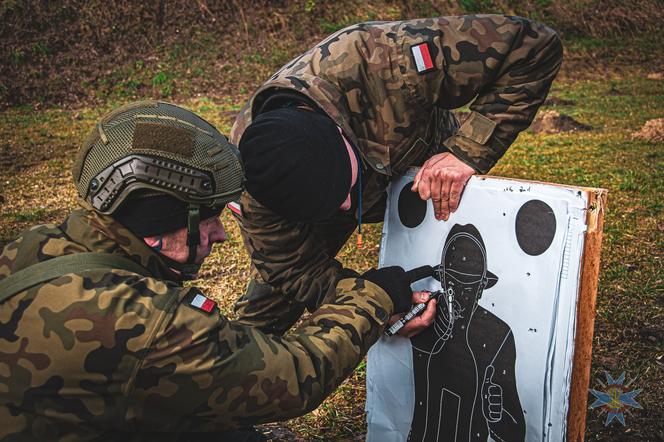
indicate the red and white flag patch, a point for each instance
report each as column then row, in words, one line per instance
column 422, row 57
column 235, row 207
column 203, row 303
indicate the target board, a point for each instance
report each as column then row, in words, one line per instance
column 508, row 356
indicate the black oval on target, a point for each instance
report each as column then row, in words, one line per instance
column 411, row 207
column 535, row 227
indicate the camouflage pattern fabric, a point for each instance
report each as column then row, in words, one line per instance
column 91, row 355
column 298, row 257
column 365, row 78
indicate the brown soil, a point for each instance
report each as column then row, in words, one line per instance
column 553, row 122
column 652, row 131
column 277, row 432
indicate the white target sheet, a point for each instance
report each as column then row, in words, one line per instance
column 497, row 363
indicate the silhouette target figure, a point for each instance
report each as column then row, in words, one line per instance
column 464, row 365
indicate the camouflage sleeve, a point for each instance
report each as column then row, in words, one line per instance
column 215, row 374
column 289, row 256
column 505, row 64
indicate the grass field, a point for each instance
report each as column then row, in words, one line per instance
column 37, row 149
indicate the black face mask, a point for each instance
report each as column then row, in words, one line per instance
column 158, row 214
column 296, row 164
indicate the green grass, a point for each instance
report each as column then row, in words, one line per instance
column 644, row 42
column 31, row 216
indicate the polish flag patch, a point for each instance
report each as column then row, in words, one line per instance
column 422, row 57
column 234, row 207
column 202, row 303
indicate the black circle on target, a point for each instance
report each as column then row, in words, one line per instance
column 535, row 227
column 411, row 207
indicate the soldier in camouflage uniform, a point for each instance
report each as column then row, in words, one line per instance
column 389, row 87
column 94, row 351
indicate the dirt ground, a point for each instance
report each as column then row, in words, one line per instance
column 553, row 122
column 652, row 131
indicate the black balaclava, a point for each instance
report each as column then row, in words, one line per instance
column 296, row 164
column 158, row 214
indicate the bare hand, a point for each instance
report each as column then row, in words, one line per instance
column 442, row 178
column 419, row 323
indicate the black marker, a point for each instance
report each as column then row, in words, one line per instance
column 412, row 313
column 415, row 275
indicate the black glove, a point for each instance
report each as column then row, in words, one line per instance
column 348, row 273
column 396, row 284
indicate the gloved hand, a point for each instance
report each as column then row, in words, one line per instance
column 396, row 284
column 348, row 273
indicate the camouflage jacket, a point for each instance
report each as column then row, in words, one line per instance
column 99, row 352
column 366, row 78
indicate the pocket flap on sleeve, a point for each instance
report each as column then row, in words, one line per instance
column 477, row 128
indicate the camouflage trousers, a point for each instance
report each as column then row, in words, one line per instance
column 268, row 309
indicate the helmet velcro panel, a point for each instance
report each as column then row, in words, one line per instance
column 162, row 137
column 166, row 131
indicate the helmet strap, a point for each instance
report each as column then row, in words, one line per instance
column 190, row 269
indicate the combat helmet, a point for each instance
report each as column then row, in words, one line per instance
column 152, row 147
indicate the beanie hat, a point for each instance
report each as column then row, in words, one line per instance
column 153, row 215
column 296, row 164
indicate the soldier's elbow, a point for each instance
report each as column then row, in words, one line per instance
column 555, row 44
column 549, row 51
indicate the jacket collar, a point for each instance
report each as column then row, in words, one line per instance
column 101, row 233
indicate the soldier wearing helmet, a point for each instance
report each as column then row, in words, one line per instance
column 98, row 336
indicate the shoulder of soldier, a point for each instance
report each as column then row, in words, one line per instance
column 113, row 285
column 112, row 302
column 37, row 232
column 151, row 294
column 28, row 248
